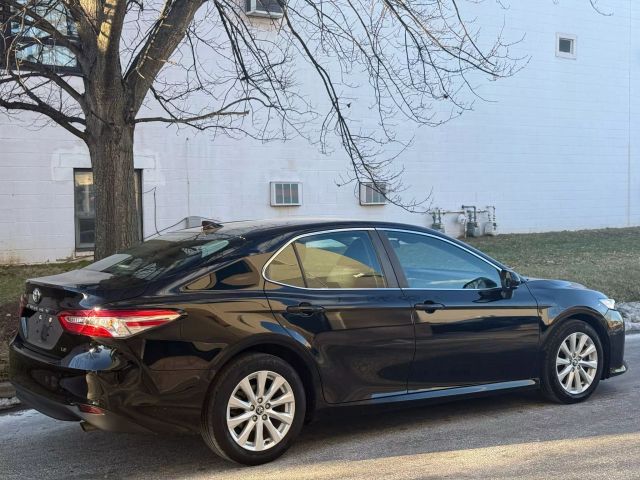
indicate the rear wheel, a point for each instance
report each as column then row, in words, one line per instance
column 254, row 410
column 573, row 362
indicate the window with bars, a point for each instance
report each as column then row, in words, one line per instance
column 373, row 193
column 23, row 45
column 286, row 194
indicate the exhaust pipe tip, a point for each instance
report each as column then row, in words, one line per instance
column 87, row 427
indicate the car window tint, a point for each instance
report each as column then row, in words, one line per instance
column 167, row 255
column 284, row 268
column 429, row 262
column 235, row 276
column 340, row 260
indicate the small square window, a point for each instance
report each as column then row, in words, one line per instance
column 286, row 194
column 373, row 194
column 565, row 45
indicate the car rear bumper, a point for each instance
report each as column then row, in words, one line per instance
column 110, row 399
column 62, row 393
column 104, row 420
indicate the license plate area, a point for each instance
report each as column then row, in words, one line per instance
column 41, row 329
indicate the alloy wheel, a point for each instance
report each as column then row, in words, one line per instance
column 260, row 410
column 577, row 363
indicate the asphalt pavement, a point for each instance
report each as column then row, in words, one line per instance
column 503, row 437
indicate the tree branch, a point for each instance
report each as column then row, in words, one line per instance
column 190, row 120
column 55, row 115
column 43, row 24
column 45, row 72
column 169, row 31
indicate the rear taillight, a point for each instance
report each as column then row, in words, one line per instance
column 114, row 323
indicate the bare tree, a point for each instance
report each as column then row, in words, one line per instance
column 99, row 68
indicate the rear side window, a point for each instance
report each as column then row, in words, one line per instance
column 167, row 255
column 340, row 260
column 329, row 260
column 284, row 268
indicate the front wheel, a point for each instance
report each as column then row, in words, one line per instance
column 572, row 363
column 254, row 410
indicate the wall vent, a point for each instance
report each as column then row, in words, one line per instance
column 265, row 8
column 286, row 194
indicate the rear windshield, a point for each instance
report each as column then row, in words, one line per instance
column 167, row 255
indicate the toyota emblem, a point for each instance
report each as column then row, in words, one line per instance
column 36, row 295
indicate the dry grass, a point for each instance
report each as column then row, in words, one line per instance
column 12, row 278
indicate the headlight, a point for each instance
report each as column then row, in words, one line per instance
column 610, row 303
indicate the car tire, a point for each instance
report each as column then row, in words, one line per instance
column 229, row 411
column 561, row 363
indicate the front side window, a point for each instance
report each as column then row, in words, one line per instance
column 85, row 207
column 431, row 263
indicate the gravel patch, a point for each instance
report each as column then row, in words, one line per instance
column 630, row 311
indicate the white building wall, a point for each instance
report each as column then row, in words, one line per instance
column 554, row 149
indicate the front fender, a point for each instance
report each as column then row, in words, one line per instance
column 608, row 324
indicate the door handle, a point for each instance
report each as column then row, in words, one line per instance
column 305, row 308
column 429, row 306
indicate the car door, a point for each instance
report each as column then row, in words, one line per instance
column 337, row 294
column 469, row 330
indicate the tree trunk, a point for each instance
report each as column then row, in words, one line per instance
column 109, row 135
column 111, row 150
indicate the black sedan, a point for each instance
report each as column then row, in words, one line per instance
column 242, row 331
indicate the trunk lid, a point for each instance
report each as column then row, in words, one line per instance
column 46, row 297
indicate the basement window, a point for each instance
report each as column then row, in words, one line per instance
column 286, row 194
column 566, row 45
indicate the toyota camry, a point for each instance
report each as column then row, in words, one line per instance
column 242, row 331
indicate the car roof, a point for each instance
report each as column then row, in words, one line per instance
column 286, row 228
column 250, row 228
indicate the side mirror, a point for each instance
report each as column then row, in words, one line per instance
column 510, row 280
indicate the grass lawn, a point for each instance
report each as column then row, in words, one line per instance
column 606, row 260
